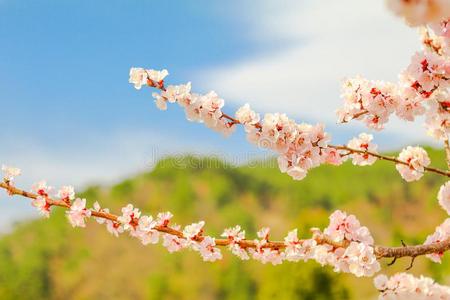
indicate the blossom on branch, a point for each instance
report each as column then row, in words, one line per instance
column 146, row 231
column 194, row 230
column 163, row 219
column 66, row 193
column 372, row 101
column 403, row 286
column 247, row 116
column 42, row 206
column 130, row 217
column 41, row 188
column 114, row 228
column 208, row 251
column 441, row 234
column 437, row 120
column 426, row 73
column 364, row 143
column 174, row 243
column 78, row 213
column 98, row 209
column 416, row 158
column 358, row 259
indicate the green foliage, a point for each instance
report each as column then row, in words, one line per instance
column 47, row 259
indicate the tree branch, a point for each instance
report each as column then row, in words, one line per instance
column 380, row 251
column 160, row 86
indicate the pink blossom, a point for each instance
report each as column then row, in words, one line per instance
column 360, row 259
column 41, row 188
column 237, row 250
column 234, row 234
column 208, row 250
column 129, row 217
column 114, row 228
column 146, row 231
column 296, row 173
column 427, row 72
column 97, row 208
column 343, row 226
column 247, row 116
column 194, row 230
column 174, row 243
column 42, row 206
column 371, row 101
column 293, row 246
column 78, row 213
column 66, row 193
column 364, row 143
column 267, row 255
column 163, row 219
column 411, row 104
column 441, row 233
column 416, row 159
column 403, row 286
column 332, row 156
column 437, row 120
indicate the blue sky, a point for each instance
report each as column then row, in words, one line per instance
column 70, row 116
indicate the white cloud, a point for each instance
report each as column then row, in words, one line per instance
column 328, row 41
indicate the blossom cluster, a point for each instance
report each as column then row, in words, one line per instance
column 344, row 244
column 199, row 108
column 403, row 286
column 422, row 90
column 417, row 159
column 300, row 147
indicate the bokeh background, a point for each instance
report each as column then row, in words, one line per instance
column 69, row 116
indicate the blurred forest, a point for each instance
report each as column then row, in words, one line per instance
column 48, row 259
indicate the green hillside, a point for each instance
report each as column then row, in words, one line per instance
column 47, row 259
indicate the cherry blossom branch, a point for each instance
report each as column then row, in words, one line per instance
column 320, row 238
column 258, row 126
